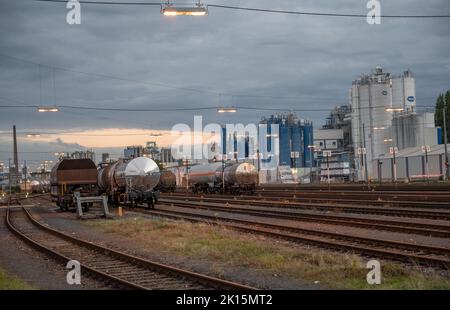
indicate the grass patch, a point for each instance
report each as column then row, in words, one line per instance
column 8, row 282
column 218, row 244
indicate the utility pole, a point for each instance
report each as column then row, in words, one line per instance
column 394, row 151
column 447, row 169
column 25, row 170
column 9, row 177
column 365, row 155
column 187, row 174
column 223, row 173
column 259, row 164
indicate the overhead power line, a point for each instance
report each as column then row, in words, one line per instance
column 252, row 108
column 229, row 7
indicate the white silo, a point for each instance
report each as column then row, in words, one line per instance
column 372, row 98
column 404, row 90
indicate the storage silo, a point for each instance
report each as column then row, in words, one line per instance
column 373, row 98
column 404, row 90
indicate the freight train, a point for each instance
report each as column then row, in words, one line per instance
column 234, row 178
column 128, row 182
column 167, row 182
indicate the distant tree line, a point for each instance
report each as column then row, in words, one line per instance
column 443, row 99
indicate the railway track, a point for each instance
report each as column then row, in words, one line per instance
column 112, row 266
column 332, row 207
column 394, row 250
column 392, row 197
column 426, row 229
column 387, row 187
column 337, row 198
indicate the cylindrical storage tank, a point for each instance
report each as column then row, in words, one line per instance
column 205, row 174
column 241, row 173
column 35, row 186
column 141, row 172
column 168, row 179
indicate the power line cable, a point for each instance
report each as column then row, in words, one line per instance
column 229, row 7
column 164, row 85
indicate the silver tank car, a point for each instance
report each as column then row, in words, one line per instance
column 205, row 174
column 36, row 186
column 130, row 181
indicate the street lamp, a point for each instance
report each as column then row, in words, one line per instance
column 45, row 109
column 170, row 10
column 226, row 110
column 394, row 150
column 33, row 135
column 394, row 109
column 312, row 149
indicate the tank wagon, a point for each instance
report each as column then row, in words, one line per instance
column 167, row 182
column 235, row 178
column 39, row 186
column 130, row 182
column 73, row 175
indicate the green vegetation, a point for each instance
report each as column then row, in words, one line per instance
column 8, row 282
column 443, row 99
column 227, row 247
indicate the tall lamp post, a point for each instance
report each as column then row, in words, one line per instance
column 9, row 175
column 447, row 169
column 394, row 150
column 312, row 149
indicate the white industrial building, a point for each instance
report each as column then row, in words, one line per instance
column 383, row 116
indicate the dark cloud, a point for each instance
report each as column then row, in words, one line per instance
column 227, row 52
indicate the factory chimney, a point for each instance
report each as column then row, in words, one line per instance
column 16, row 158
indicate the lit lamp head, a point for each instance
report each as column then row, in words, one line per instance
column 42, row 109
column 394, row 109
column 227, row 110
column 199, row 10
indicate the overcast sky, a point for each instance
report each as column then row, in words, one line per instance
column 308, row 61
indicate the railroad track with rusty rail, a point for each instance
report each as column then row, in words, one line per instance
column 425, row 213
column 416, row 186
column 340, row 199
column 375, row 247
column 411, row 197
column 121, row 269
column 421, row 228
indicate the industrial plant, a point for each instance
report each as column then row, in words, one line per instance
column 215, row 154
